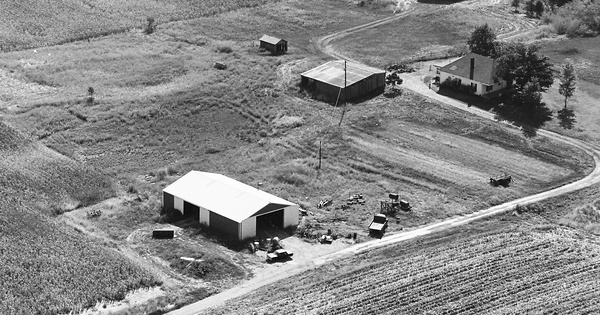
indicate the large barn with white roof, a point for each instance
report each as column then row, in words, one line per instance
column 227, row 205
column 348, row 80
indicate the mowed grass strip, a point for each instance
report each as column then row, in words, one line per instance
column 518, row 270
column 431, row 34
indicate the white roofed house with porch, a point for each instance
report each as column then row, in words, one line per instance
column 473, row 72
column 227, row 205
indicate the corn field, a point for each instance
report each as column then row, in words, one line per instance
column 499, row 273
column 47, row 268
column 34, row 23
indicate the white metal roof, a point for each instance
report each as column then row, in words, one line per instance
column 333, row 73
column 223, row 195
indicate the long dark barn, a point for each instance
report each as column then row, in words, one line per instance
column 347, row 79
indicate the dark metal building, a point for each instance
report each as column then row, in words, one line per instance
column 347, row 79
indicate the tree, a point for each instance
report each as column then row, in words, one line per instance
column 483, row 41
column 538, row 8
column 90, row 99
column 519, row 64
column 568, row 79
column 529, row 98
column 515, row 4
column 530, row 8
column 527, row 109
column 393, row 79
column 150, row 27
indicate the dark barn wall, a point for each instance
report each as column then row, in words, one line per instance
column 368, row 85
column 223, row 224
column 268, row 46
column 191, row 211
column 168, row 201
column 375, row 82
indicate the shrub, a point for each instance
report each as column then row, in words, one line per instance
column 224, row 49
column 132, row 189
column 161, row 175
column 172, row 170
column 578, row 18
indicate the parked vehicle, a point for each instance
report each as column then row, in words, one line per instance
column 378, row 225
column 280, row 254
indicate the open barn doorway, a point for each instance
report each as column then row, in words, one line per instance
column 270, row 224
column 191, row 211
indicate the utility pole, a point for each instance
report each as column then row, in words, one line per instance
column 319, row 154
column 344, row 109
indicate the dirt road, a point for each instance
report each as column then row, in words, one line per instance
column 415, row 83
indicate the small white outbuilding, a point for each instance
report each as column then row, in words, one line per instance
column 227, row 205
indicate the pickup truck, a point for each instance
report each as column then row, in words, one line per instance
column 379, row 224
column 280, row 254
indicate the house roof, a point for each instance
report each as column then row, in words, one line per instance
column 484, row 70
column 224, row 196
column 333, row 73
column 270, row 39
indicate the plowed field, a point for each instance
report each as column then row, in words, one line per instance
column 521, row 271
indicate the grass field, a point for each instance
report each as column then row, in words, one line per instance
column 417, row 36
column 585, row 54
column 160, row 108
column 192, row 113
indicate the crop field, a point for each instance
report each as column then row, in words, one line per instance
column 34, row 23
column 47, row 268
column 524, row 270
column 52, row 182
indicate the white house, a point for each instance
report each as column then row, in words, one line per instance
column 227, row 205
column 474, row 71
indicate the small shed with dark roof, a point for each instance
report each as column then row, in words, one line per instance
column 275, row 45
column 349, row 80
column 473, row 71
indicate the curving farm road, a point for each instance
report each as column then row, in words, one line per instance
column 414, row 83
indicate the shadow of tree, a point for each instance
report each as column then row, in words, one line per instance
column 529, row 119
column 392, row 92
column 469, row 99
column 566, row 118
